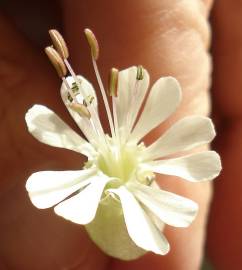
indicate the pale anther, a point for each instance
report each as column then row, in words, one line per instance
column 81, row 109
column 56, row 61
column 59, row 43
column 92, row 41
column 140, row 73
column 113, row 82
column 150, row 179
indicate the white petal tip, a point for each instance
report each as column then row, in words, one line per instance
column 30, row 115
column 75, row 219
column 163, row 251
column 217, row 166
column 173, row 81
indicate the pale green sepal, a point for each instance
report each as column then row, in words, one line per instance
column 108, row 231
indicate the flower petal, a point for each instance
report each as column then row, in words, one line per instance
column 82, row 207
column 47, row 188
column 108, row 231
column 48, row 128
column 130, row 89
column 86, row 88
column 170, row 208
column 196, row 167
column 162, row 101
column 140, row 228
column 187, row 133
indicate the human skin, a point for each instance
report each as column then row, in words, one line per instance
column 224, row 228
column 164, row 39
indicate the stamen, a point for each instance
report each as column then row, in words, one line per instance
column 113, row 82
column 146, row 177
column 95, row 53
column 135, row 97
column 56, row 61
column 59, row 43
column 62, row 55
column 115, row 117
column 113, row 91
column 69, row 90
column 73, row 74
column 92, row 41
column 150, row 178
column 140, row 73
column 62, row 49
column 81, row 109
column 88, row 100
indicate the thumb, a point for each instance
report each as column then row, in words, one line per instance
column 30, row 239
column 168, row 38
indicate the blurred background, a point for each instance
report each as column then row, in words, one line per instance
column 32, row 19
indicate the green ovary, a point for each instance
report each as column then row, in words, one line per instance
column 119, row 162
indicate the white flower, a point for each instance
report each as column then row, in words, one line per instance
column 115, row 194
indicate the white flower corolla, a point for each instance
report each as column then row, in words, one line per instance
column 115, row 194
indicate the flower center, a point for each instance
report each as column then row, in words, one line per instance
column 119, row 161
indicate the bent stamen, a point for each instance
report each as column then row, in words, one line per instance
column 92, row 41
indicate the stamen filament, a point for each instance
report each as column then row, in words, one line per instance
column 95, row 121
column 86, row 121
column 104, row 96
column 69, row 89
column 115, row 118
column 73, row 74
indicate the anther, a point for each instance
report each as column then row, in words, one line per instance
column 113, row 82
column 75, row 87
column 88, row 100
column 56, row 61
column 92, row 41
column 150, row 178
column 59, row 43
column 81, row 109
column 140, row 73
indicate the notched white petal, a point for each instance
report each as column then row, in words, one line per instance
column 130, row 90
column 164, row 97
column 48, row 128
column 86, row 91
column 195, row 167
column 140, row 227
column 170, row 208
column 186, row 134
column 82, row 207
column 47, row 188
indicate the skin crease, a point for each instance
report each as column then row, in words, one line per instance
column 31, row 235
